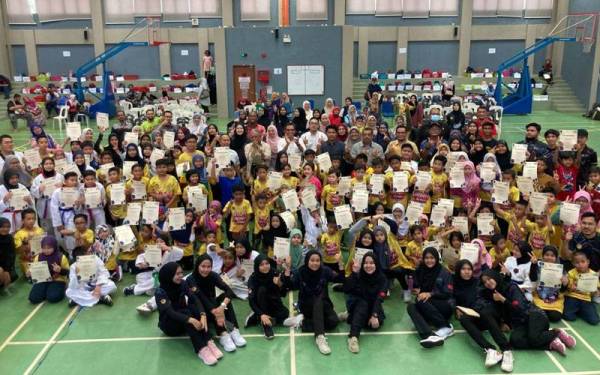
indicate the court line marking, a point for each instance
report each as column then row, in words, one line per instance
column 555, row 361
column 20, row 326
column 594, row 372
column 292, row 339
column 46, row 347
column 582, row 340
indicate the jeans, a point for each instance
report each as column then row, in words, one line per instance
column 13, row 117
column 435, row 312
column 52, row 291
column 534, row 333
column 585, row 310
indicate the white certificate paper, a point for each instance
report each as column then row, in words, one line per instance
column 588, row 282
column 281, row 247
column 176, row 218
column 485, row 224
column 117, row 194
column 150, row 212
column 360, row 201
column 470, row 252
column 568, row 138
column 438, row 216
column 550, row 274
column 569, row 213
column 86, row 268
column 530, row 170
column 538, row 202
column 134, row 209
column 500, row 194
column 153, row 255
column 518, row 154
column 324, row 162
column 93, row 197
column 169, row 139
column 400, row 182
column 343, row 216
column 290, row 200
column 461, row 223
column 40, row 272
column 274, row 180
column 376, row 181
column 73, row 130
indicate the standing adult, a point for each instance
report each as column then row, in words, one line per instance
column 586, row 157
column 367, row 147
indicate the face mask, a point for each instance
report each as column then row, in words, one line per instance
column 436, row 117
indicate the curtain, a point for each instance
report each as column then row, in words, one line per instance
column 388, row 8
column 54, row 10
column 205, row 8
column 118, row 11
column 485, row 8
column 311, row 9
column 362, row 6
column 255, row 10
column 443, row 8
column 19, row 12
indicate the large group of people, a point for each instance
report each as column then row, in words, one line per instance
column 315, row 200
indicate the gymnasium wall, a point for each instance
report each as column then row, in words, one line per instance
column 19, row 59
column 437, row 56
column 52, row 58
column 308, row 47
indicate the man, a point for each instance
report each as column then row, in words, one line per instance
column 373, row 88
column 430, row 145
column 535, row 148
column 151, row 122
column 313, row 137
column 551, row 137
column 487, row 135
column 225, row 141
column 122, row 125
column 252, row 124
column 394, row 147
column 167, row 123
column 435, row 116
column 482, row 116
column 292, row 143
column 5, row 86
column 16, row 110
column 367, row 147
column 257, row 152
column 6, row 148
column 586, row 157
column 333, row 146
column 587, row 240
column 52, row 98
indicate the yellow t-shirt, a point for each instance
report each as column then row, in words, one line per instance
column 499, row 257
column 330, row 196
column 186, row 157
column 438, row 180
column 167, row 185
column 538, row 237
column 413, row 249
column 129, row 185
column 240, row 215
column 420, row 196
column 87, row 237
column 64, row 264
column 512, row 236
column 259, row 186
column 262, row 218
column 20, row 237
column 331, row 246
column 117, row 210
column 291, row 182
column 573, row 276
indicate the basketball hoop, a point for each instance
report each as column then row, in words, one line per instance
column 587, row 43
column 580, row 27
column 154, row 32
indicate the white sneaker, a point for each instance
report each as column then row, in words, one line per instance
column 407, row 296
column 294, row 321
column 144, row 309
column 226, row 342
column 237, row 338
column 507, row 361
column 432, row 341
column 343, row 316
column 353, row 346
column 322, row 344
column 492, row 357
column 596, row 299
column 445, row 332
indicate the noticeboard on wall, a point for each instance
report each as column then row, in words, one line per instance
column 305, row 79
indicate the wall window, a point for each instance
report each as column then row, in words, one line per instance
column 538, row 9
column 55, row 10
column 405, row 8
column 205, row 8
column 510, row 8
column 415, row 9
column 176, row 10
column 147, row 7
column 362, row 6
column 443, row 8
column 255, row 10
column 388, row 8
column 485, row 8
column 118, row 11
column 311, row 10
column 19, row 12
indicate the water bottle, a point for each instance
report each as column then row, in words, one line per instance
column 410, row 283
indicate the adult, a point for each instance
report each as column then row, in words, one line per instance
column 52, row 98
column 333, row 146
column 367, row 146
column 372, row 88
column 151, row 122
column 586, row 240
column 455, row 120
column 252, row 124
column 586, row 157
column 114, row 148
column 395, row 146
column 7, row 148
column 534, row 146
column 429, row 146
column 122, row 125
column 225, row 141
column 313, row 137
column 16, row 110
column 552, row 140
column 293, row 146
column 5, row 86
column 257, row 152
column 167, row 124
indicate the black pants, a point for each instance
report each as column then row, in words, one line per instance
column 400, row 274
column 533, row 334
column 172, row 327
column 229, row 316
column 271, row 305
column 434, row 312
column 488, row 320
column 359, row 315
column 318, row 315
column 553, row 315
column 51, row 291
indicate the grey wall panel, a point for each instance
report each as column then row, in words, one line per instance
column 51, row 59
column 382, row 57
column 437, row 56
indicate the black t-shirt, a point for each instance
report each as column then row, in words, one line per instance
column 589, row 246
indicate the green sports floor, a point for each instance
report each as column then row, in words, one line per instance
column 53, row 339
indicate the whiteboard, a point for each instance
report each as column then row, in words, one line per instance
column 306, row 79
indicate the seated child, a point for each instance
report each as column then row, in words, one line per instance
column 97, row 289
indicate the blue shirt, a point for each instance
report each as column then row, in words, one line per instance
column 226, row 185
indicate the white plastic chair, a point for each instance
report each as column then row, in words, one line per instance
column 428, row 96
column 402, row 97
column 469, row 107
column 125, row 105
column 61, row 118
column 446, row 110
column 85, row 118
column 433, row 106
column 497, row 111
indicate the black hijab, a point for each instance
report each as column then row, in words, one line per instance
column 10, row 173
column 465, row 291
column 45, row 173
column 426, row 276
column 525, row 249
column 300, row 121
column 312, row 278
column 372, row 282
column 137, row 158
column 81, row 167
column 501, row 285
column 165, row 277
column 204, row 284
column 269, row 236
column 504, row 159
column 7, row 249
column 264, row 279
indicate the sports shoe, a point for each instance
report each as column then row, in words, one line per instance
column 445, row 332
column 72, row 303
column 507, row 361
column 269, row 335
column 144, row 309
column 322, row 344
column 294, row 321
column 492, row 357
column 558, row 346
column 237, row 338
column 207, row 357
column 106, row 300
column 227, row 342
column 596, row 299
column 407, row 295
column 566, row 339
column 432, row 341
column 353, row 345
column 251, row 320
column 128, row 291
column 343, row 316
column 214, row 350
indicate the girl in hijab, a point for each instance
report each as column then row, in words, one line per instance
column 36, row 132
column 530, row 326
column 353, row 138
column 366, row 288
column 350, row 115
column 486, row 186
column 132, row 153
column 469, row 192
column 281, row 120
column 299, row 120
column 296, row 249
column 434, row 307
column 503, row 155
column 278, row 228
column 484, row 261
column 263, row 116
column 442, row 150
column 79, row 161
column 311, row 280
column 114, row 147
column 329, row 106
column 275, row 143
column 42, row 188
column 87, row 135
column 180, row 311
column 105, row 249
column 219, row 309
column 308, row 110
column 211, row 220
column 549, row 298
column 184, row 239
column 335, row 118
column 52, row 290
column 265, row 291
column 390, row 259
column 13, row 214
column 12, row 162
column 519, row 266
column 8, row 255
column 456, row 118
column 466, row 287
column 342, row 133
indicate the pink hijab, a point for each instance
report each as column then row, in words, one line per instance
column 588, row 207
column 273, row 141
column 472, row 181
column 483, row 259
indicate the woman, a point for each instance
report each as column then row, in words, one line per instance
column 239, row 139
column 455, row 120
column 13, row 163
column 415, row 110
column 311, row 280
column 350, row 115
column 8, row 254
column 36, row 132
column 281, row 120
column 275, row 142
column 299, row 120
column 530, row 326
column 382, row 137
column 503, row 155
column 181, row 136
column 334, row 117
column 114, row 147
column 180, row 311
column 202, row 282
column 465, row 294
column 11, row 181
column 433, row 288
column 52, row 290
column 263, row 116
column 365, row 290
column 42, row 188
column 328, row 107
column 265, row 292
column 307, row 109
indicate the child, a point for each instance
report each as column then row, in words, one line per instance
column 499, row 251
column 260, row 183
column 329, row 196
column 118, row 212
column 63, row 214
column 439, row 178
column 8, row 274
column 539, row 232
column 578, row 303
column 262, row 214
column 593, row 187
column 11, row 182
column 414, row 249
column 24, row 235
column 297, row 251
column 53, row 291
column 566, row 175
column 519, row 267
column 107, row 250
column 184, row 239
column 193, row 179
column 137, row 176
column 87, row 293
column 233, row 274
column 96, row 213
column 84, row 236
column 164, row 188
column 41, row 196
column 548, row 297
column 240, row 212
column 331, row 242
